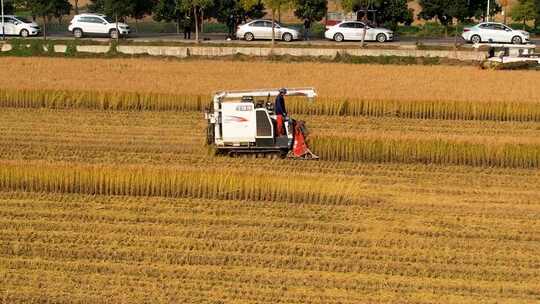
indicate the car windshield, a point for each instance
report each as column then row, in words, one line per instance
column 22, row 19
column 108, row 19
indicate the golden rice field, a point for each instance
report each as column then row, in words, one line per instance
column 439, row 92
column 201, row 77
column 108, row 193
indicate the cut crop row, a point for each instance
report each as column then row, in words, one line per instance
column 148, row 181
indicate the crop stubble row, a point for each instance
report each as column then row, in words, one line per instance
column 378, row 256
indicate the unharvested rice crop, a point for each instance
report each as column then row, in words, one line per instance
column 196, row 77
column 434, row 151
column 192, row 183
column 129, row 101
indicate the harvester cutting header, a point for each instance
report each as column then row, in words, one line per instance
column 257, row 122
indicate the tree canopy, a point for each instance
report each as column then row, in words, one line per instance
column 388, row 12
column 524, row 10
column 445, row 11
column 168, row 11
column 136, row 9
column 222, row 9
column 9, row 8
column 45, row 9
column 311, row 10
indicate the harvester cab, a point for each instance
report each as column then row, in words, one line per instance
column 244, row 122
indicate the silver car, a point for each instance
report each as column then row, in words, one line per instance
column 354, row 30
column 262, row 29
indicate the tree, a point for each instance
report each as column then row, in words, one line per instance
column 96, row 6
column 360, row 6
column 197, row 7
column 390, row 13
column 222, row 9
column 233, row 13
column 537, row 18
column 141, row 8
column 45, row 9
column 310, row 10
column 524, row 11
column 504, row 5
column 273, row 5
column 169, row 11
column 118, row 9
column 477, row 8
column 9, row 9
column 445, row 11
column 60, row 9
column 115, row 8
column 387, row 12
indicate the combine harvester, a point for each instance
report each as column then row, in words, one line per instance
column 244, row 122
column 510, row 55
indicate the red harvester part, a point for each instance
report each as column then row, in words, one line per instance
column 300, row 147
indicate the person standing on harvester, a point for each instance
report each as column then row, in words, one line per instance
column 281, row 112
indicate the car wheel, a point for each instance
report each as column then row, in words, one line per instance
column 249, row 37
column 338, row 37
column 114, row 34
column 77, row 33
column 287, row 37
column 381, row 38
column 517, row 40
column 24, row 33
column 476, row 39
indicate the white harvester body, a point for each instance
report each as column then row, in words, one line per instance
column 245, row 122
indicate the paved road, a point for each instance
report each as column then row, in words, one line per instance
column 221, row 39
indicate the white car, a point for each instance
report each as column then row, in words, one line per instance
column 494, row 32
column 354, row 30
column 98, row 25
column 262, row 29
column 19, row 26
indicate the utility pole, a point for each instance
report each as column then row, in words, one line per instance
column 487, row 12
column 3, row 28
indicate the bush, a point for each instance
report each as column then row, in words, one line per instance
column 429, row 30
column 71, row 49
column 21, row 47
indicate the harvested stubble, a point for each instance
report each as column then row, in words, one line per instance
column 427, row 151
column 432, row 238
column 178, row 138
column 194, row 183
column 108, row 100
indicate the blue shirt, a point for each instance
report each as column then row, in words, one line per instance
column 279, row 106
